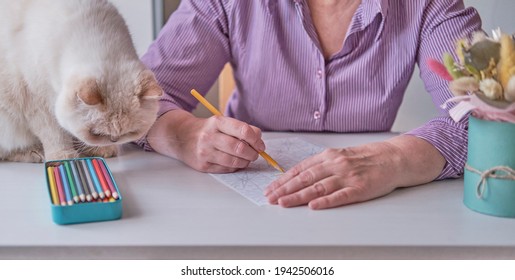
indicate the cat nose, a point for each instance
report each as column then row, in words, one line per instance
column 114, row 138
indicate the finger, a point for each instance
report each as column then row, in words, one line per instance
column 218, row 169
column 305, row 179
column 341, row 197
column 227, row 160
column 293, row 173
column 234, row 147
column 242, row 131
column 319, row 189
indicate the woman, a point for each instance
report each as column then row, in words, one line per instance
column 334, row 65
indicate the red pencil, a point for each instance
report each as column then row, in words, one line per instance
column 114, row 193
column 60, row 189
column 101, row 178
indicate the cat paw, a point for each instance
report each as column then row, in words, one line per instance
column 59, row 155
column 31, row 155
column 104, row 151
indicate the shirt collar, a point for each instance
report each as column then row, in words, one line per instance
column 382, row 5
column 370, row 9
column 367, row 13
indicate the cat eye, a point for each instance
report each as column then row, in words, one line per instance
column 95, row 133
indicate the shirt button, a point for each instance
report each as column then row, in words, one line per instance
column 319, row 74
column 316, row 115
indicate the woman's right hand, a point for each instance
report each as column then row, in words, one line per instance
column 216, row 145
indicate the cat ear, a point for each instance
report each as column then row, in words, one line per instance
column 89, row 93
column 149, row 89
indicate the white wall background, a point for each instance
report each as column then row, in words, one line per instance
column 417, row 107
column 139, row 17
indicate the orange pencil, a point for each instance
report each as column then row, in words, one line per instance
column 101, row 178
column 215, row 112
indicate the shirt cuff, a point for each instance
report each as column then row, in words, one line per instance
column 164, row 107
column 450, row 139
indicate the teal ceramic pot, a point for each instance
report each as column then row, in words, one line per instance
column 491, row 144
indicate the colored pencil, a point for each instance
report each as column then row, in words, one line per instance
column 78, row 183
column 215, row 112
column 95, row 179
column 83, row 180
column 71, row 181
column 110, row 182
column 90, row 183
column 60, row 188
column 101, row 178
column 53, row 187
column 66, row 186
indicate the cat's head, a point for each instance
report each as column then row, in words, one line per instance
column 111, row 109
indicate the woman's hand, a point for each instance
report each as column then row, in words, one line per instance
column 338, row 177
column 217, row 144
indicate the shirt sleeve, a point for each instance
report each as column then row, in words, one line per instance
column 189, row 52
column 443, row 24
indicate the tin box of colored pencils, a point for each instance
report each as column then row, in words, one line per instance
column 82, row 190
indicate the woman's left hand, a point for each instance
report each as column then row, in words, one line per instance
column 338, row 177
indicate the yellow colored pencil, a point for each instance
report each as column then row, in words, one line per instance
column 215, row 112
column 53, row 187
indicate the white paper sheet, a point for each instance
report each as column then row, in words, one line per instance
column 252, row 181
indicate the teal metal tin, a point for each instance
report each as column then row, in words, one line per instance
column 84, row 212
column 491, row 146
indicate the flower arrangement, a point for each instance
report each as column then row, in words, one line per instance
column 483, row 78
column 483, row 82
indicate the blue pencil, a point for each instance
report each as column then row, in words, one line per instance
column 66, row 186
column 95, row 179
column 78, row 183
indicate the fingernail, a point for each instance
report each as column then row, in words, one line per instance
column 283, row 202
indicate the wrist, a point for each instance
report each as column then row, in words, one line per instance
column 420, row 162
column 165, row 136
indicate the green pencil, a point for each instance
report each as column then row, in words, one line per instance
column 71, row 181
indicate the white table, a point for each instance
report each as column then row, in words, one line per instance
column 171, row 211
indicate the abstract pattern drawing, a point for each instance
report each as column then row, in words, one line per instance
column 252, row 181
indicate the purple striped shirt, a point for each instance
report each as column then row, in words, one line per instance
column 283, row 82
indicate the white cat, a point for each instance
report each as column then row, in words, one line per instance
column 68, row 71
